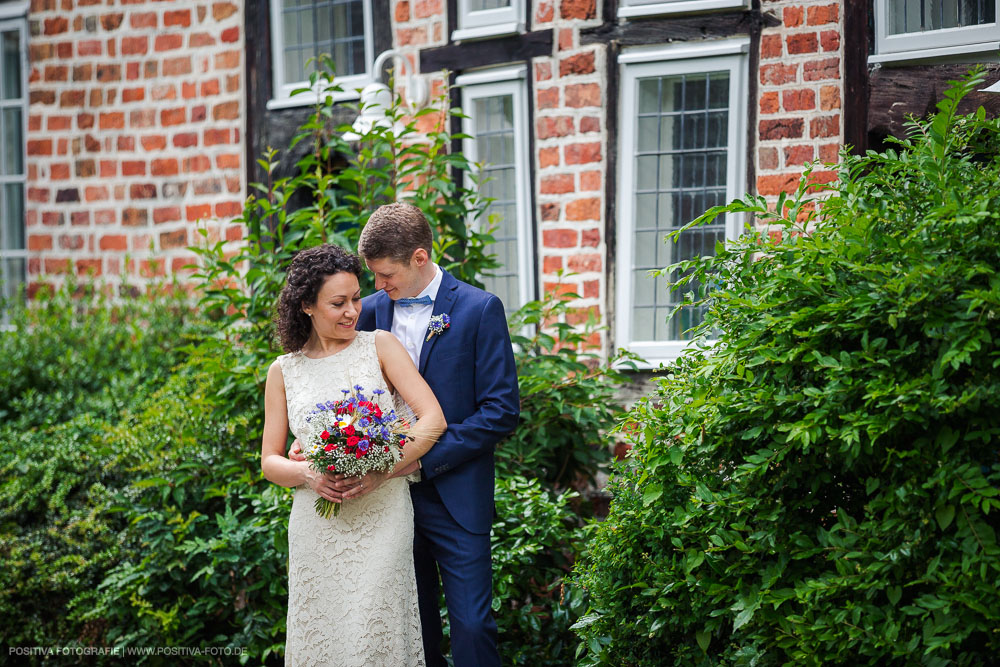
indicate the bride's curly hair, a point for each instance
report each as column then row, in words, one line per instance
column 306, row 275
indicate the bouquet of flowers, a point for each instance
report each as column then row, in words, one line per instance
column 353, row 437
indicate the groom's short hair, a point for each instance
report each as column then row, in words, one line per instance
column 395, row 231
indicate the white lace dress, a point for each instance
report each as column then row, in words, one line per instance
column 352, row 592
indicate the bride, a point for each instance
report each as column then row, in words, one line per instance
column 352, row 595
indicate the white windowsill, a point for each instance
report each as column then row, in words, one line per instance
column 677, row 7
column 483, row 32
column 935, row 54
column 310, row 99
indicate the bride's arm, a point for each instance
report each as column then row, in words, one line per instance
column 275, row 466
column 411, row 386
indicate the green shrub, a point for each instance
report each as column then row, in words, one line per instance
column 74, row 366
column 819, row 486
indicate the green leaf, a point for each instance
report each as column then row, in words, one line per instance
column 944, row 515
column 651, row 494
column 704, row 638
column 894, row 593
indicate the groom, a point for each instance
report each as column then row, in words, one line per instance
column 469, row 366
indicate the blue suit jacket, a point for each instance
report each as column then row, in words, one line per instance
column 470, row 368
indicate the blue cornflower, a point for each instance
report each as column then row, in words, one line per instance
column 378, row 392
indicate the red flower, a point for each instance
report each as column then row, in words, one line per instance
column 358, row 454
column 386, row 449
column 325, row 435
column 328, row 448
column 377, row 411
column 331, row 467
column 402, row 442
column 348, row 430
column 353, row 441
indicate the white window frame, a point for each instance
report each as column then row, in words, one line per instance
column 628, row 9
column 15, row 15
column 713, row 56
column 488, row 22
column 282, row 90
column 931, row 44
column 491, row 83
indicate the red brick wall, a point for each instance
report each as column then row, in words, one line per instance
column 799, row 93
column 135, row 133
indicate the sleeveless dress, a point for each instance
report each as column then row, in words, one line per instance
column 352, row 591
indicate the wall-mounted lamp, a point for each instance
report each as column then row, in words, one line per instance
column 995, row 88
column 376, row 98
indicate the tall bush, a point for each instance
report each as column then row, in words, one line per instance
column 819, row 485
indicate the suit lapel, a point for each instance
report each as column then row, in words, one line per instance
column 383, row 312
column 446, row 297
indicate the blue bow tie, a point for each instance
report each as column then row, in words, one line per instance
column 417, row 301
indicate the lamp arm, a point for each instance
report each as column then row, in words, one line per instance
column 416, row 90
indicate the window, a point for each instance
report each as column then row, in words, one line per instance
column 303, row 29
column 496, row 105
column 13, row 113
column 919, row 29
column 488, row 18
column 682, row 152
column 634, row 8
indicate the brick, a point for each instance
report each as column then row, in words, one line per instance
column 135, row 217
column 64, row 50
column 548, row 98
column 59, row 123
column 590, row 124
column 88, row 267
column 581, row 63
column 582, row 153
column 56, row 26
column 85, row 168
column 185, row 140
column 767, row 159
column 223, row 10
column 799, row 154
column 42, row 97
column 67, row 195
column 426, row 8
column 199, row 212
column 584, row 209
column 113, row 242
column 108, row 73
column 174, row 67
column 143, row 118
column 829, row 40
column 578, row 9
column 142, row 191
column 781, row 128
column 805, row 42
column 551, row 264
column 559, row 238
column 577, row 316
column 228, row 209
column 208, row 186
column 53, row 219
column 770, row 46
column 210, row 87
column 109, row 168
column 166, row 214
column 174, row 239
column 173, row 116
column 590, row 238
column 544, row 13
column 590, row 181
column 792, row 17
column 583, row 95
column 411, row 36
column 215, row 137
column 819, row 70
column 143, row 20
column 56, row 73
column 228, row 161
column 777, row 183
column 93, row 193
column 197, row 40
column 829, row 98
column 828, row 126
column 81, row 219
column 71, row 241
column 59, row 171
column 770, row 103
column 196, row 164
column 164, row 167
column 584, row 263
column 778, row 74
column 560, row 126
column 829, row 153
column 132, row 46
column 548, row 157
column 822, row 14
column 591, row 289
column 198, row 113
column 168, row 42
column 798, row 100
column 402, row 11
column 226, row 111
column 556, row 185
column 550, row 212
column 38, row 242
column 227, row 60
column 111, row 121
column 72, row 98
column 133, row 95
column 39, row 147
column 180, row 17
column 154, row 142
column 105, row 217
column 565, row 39
column 230, row 35
column 543, row 71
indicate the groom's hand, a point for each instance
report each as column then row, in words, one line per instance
column 295, row 453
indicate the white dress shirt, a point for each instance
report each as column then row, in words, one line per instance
column 409, row 323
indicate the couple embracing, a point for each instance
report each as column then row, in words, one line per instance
column 363, row 586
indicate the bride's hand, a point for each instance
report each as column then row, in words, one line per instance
column 324, row 485
column 295, row 452
column 369, row 483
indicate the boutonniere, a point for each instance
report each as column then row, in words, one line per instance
column 437, row 325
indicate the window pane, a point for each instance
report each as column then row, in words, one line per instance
column 11, row 64
column 13, row 277
column 480, row 5
column 923, row 15
column 13, row 158
column 493, row 120
column 687, row 171
column 334, row 27
column 13, row 217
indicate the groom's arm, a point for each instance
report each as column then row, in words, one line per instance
column 497, row 399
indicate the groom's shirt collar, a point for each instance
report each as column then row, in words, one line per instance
column 434, row 285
